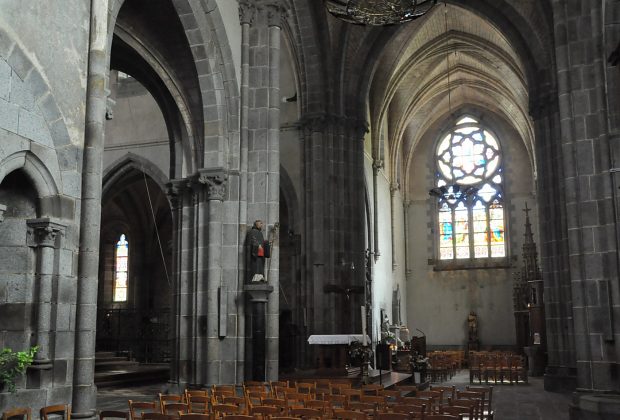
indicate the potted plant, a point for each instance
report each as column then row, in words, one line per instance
column 12, row 364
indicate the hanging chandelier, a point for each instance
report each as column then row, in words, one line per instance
column 378, row 12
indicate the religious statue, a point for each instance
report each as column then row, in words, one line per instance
column 256, row 250
column 472, row 323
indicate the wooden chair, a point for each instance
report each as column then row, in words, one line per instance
column 406, row 390
column 217, row 396
column 368, row 408
column 158, row 416
column 221, row 410
column 169, row 398
column 254, row 398
column 138, row 408
column 194, row 416
column 265, row 411
column 306, row 388
column 434, row 396
column 24, row 413
column 446, row 392
column 238, row 417
column 441, row 417
column 487, row 398
column 471, row 404
column 351, row 394
column 350, row 415
column 113, row 414
column 518, row 369
column 392, row 416
column 459, row 411
column 379, row 401
column 322, row 405
column 195, row 392
column 61, row 410
column 284, row 418
column 198, row 404
column 240, row 402
column 473, row 396
column 337, row 401
column 337, row 387
column 277, row 384
column 175, row 408
column 372, row 389
column 276, row 402
column 409, row 409
column 306, row 413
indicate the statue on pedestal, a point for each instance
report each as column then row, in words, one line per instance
column 256, row 250
column 472, row 323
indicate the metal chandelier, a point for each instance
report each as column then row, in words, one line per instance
column 378, row 12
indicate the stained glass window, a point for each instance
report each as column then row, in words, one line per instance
column 469, row 184
column 121, row 270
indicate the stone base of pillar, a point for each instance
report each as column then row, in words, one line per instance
column 595, row 407
column 40, row 375
column 560, row 379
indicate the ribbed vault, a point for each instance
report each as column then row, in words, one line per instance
column 451, row 58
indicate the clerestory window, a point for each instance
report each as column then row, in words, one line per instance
column 121, row 270
column 468, row 186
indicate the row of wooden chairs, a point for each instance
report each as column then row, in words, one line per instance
column 25, row 413
column 497, row 367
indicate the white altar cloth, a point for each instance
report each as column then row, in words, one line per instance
column 334, row 339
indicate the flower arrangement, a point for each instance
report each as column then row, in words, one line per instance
column 357, row 351
column 13, row 364
column 419, row 363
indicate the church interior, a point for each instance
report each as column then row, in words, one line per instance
column 210, row 193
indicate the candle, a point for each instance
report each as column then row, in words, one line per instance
column 363, row 310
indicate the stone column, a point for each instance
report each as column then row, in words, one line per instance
column 592, row 247
column 42, row 235
column 84, row 390
column 258, row 296
column 215, row 184
column 561, row 372
column 176, row 194
column 261, row 100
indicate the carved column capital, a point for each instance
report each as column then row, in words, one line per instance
column 247, row 12
column 43, row 232
column 2, row 210
column 176, row 188
column 215, row 182
column 275, row 13
column 377, row 164
column 394, row 186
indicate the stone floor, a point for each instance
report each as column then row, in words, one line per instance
column 511, row 402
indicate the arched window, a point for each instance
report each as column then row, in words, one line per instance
column 121, row 270
column 469, row 188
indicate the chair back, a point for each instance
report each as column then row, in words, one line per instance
column 61, row 410
column 198, row 404
column 113, row 414
column 138, row 408
column 25, row 413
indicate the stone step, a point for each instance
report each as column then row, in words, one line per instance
column 100, row 360
column 115, row 365
column 133, row 375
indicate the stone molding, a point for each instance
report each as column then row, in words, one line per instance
column 215, row 181
column 2, row 210
column 43, row 232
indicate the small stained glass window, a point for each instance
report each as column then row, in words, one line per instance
column 121, row 270
column 471, row 211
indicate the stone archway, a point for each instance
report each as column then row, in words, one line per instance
column 135, row 205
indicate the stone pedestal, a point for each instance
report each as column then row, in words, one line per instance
column 258, row 295
column 595, row 407
column 535, row 360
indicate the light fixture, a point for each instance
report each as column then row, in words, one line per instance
column 378, row 12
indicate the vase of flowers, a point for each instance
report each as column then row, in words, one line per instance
column 14, row 364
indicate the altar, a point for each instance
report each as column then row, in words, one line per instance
column 333, row 358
